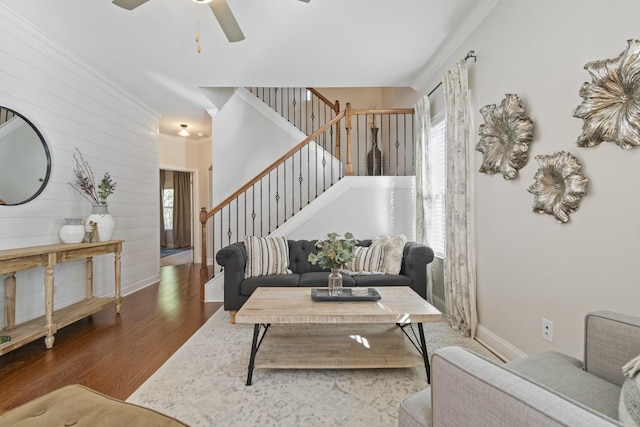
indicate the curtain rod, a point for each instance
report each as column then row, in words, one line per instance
column 470, row 54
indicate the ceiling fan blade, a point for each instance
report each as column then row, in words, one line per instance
column 306, row 1
column 228, row 23
column 129, row 4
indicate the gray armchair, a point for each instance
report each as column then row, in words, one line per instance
column 545, row 389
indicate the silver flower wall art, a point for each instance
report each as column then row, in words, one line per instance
column 559, row 186
column 504, row 137
column 611, row 102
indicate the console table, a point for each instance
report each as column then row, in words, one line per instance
column 14, row 260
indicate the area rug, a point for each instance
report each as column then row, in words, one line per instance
column 167, row 252
column 203, row 384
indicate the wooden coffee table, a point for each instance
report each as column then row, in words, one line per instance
column 306, row 334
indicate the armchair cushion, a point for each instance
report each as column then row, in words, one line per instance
column 544, row 389
column 564, row 374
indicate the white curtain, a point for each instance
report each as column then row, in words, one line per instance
column 423, row 179
column 459, row 262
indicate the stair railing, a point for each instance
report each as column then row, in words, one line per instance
column 381, row 141
column 305, row 108
column 275, row 194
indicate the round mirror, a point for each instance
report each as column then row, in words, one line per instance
column 25, row 162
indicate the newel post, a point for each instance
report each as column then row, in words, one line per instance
column 204, row 272
column 349, row 166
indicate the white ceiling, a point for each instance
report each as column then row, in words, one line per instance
column 151, row 50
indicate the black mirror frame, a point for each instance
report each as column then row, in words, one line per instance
column 45, row 181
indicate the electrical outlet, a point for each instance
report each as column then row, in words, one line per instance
column 547, row 330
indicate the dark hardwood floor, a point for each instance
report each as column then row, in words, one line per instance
column 108, row 353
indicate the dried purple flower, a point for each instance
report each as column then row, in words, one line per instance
column 85, row 183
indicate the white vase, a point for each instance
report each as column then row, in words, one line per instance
column 105, row 223
column 72, row 231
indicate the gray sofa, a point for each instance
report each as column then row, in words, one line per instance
column 237, row 289
column 545, row 389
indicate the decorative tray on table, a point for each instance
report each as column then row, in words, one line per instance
column 322, row 294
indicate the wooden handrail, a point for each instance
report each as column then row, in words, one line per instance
column 204, row 215
column 334, row 106
column 361, row 112
column 275, row 164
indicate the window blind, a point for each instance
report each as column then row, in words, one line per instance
column 437, row 162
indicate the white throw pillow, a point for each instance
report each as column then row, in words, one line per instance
column 367, row 260
column 629, row 406
column 395, row 249
column 266, row 255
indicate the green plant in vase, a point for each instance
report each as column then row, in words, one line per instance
column 334, row 253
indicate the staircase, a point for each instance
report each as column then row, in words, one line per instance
column 311, row 167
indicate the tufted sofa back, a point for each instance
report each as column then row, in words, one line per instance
column 299, row 251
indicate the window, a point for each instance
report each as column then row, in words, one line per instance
column 437, row 161
column 167, row 208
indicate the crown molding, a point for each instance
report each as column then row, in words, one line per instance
column 67, row 58
column 452, row 43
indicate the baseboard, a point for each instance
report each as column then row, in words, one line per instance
column 133, row 287
column 214, row 289
column 497, row 345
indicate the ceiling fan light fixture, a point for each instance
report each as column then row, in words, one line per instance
column 183, row 131
column 202, row 1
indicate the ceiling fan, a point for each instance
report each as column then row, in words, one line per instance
column 220, row 9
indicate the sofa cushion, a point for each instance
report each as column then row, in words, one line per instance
column 320, row 279
column 247, row 286
column 371, row 281
column 393, row 255
column 564, row 375
column 266, row 256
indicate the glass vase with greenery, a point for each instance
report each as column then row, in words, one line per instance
column 334, row 252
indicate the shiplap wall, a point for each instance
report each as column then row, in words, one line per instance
column 75, row 105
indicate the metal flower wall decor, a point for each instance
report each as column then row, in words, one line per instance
column 504, row 137
column 559, row 186
column 611, row 102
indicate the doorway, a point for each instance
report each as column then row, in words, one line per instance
column 176, row 215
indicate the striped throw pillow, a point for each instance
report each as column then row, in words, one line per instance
column 370, row 260
column 629, row 407
column 266, row 255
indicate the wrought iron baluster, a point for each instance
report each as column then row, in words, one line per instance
column 229, row 225
column 253, row 210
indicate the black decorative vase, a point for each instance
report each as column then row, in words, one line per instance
column 374, row 158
